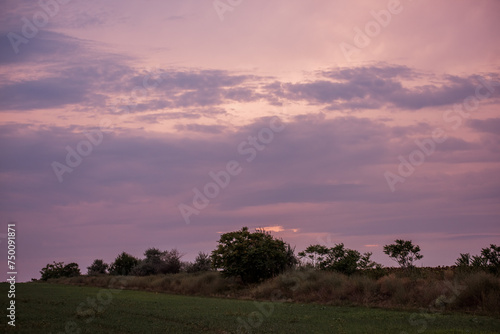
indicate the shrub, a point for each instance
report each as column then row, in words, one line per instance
column 157, row 262
column 338, row 258
column 480, row 292
column 252, row 256
column 98, row 267
column 488, row 260
column 123, row 264
column 58, row 269
column 203, row 262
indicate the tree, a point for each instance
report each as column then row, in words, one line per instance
column 123, row 264
column 338, row 258
column 492, row 258
column 171, row 262
column 71, row 270
column 58, row 269
column 203, row 262
column 252, row 256
column 158, row 262
column 463, row 261
column 98, row 267
column 403, row 252
column 316, row 254
column 489, row 259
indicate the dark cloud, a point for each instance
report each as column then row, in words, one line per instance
column 43, row 93
column 81, row 74
column 155, row 118
column 490, row 125
column 214, row 129
column 376, row 86
column 41, row 48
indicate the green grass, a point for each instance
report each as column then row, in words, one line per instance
column 49, row 308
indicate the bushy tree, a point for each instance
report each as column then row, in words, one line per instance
column 338, row 258
column 203, row 262
column 98, row 267
column 158, row 262
column 172, row 261
column 58, row 269
column 403, row 252
column 123, row 264
column 489, row 260
column 71, row 270
column 492, row 258
column 252, row 256
column 316, row 254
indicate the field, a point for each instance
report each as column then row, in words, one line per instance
column 55, row 308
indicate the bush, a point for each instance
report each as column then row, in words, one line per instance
column 339, row 258
column 158, row 262
column 58, row 269
column 171, row 262
column 201, row 263
column 252, row 256
column 123, row 264
column 479, row 292
column 98, row 267
column 488, row 260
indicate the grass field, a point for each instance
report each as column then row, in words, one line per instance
column 54, row 308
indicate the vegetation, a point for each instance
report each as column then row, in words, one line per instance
column 258, row 266
column 58, row 269
column 123, row 264
column 252, row 256
column 74, row 309
column 98, row 267
column 338, row 258
column 489, row 260
column 203, row 262
column 158, row 262
column 431, row 289
column 403, row 252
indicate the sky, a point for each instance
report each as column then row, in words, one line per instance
column 129, row 124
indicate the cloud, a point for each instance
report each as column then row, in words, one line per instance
column 213, row 129
column 376, row 86
column 41, row 48
column 490, row 125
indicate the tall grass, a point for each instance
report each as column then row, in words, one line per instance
column 477, row 293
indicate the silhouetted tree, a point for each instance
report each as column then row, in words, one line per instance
column 158, row 262
column 489, row 260
column 251, row 256
column 98, row 267
column 338, row 258
column 403, row 252
column 123, row 264
column 58, row 269
column 203, row 262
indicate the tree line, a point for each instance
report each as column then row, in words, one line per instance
column 256, row 256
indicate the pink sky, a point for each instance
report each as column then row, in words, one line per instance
column 397, row 139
